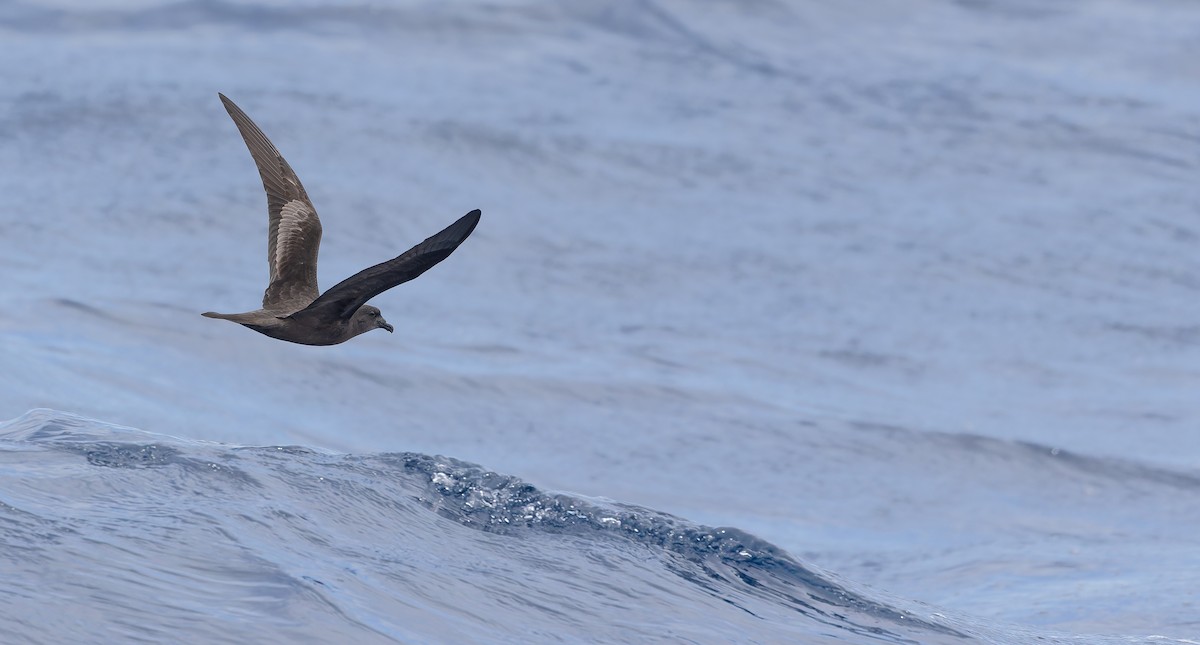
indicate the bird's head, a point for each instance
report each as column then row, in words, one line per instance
column 367, row 318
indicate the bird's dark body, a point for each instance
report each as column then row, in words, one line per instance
column 292, row 309
column 302, row 334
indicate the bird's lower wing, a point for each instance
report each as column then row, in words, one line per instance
column 344, row 298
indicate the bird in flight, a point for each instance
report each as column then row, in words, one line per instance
column 293, row 308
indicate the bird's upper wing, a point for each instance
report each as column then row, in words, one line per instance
column 293, row 231
column 345, row 297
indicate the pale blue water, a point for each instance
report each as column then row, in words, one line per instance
column 906, row 293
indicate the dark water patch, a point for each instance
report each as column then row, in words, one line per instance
column 95, row 442
column 1173, row 335
column 126, row 455
column 1113, row 469
column 82, row 308
column 259, row 18
column 648, row 21
column 1038, row 457
column 1013, row 9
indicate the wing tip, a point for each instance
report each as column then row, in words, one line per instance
column 471, row 220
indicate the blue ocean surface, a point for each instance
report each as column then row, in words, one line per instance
column 114, row 534
column 785, row 322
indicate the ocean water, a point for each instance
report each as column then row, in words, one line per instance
column 901, row 295
column 111, row 533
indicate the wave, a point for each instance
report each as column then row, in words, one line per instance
column 115, row 532
column 1034, row 457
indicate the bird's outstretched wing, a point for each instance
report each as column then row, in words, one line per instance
column 293, row 230
column 345, row 297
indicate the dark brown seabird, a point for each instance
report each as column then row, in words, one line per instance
column 291, row 308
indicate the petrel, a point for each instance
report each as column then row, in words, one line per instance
column 292, row 310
